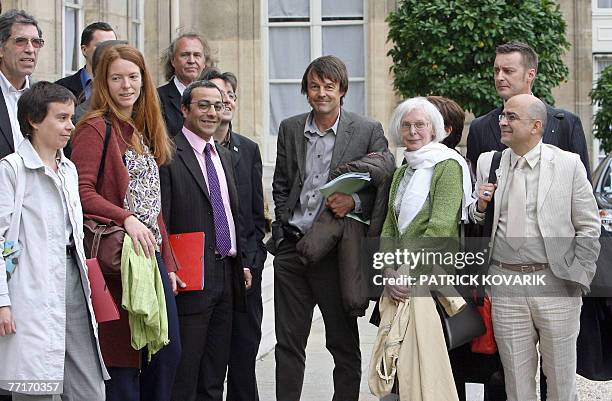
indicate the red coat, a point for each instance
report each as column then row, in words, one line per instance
column 105, row 204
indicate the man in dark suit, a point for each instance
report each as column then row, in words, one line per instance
column 515, row 70
column 183, row 62
column 80, row 83
column 20, row 41
column 246, row 328
column 309, row 147
column 199, row 195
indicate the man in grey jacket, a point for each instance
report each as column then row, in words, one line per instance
column 309, row 147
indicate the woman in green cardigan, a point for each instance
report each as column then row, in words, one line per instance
column 429, row 195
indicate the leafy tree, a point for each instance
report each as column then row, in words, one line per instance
column 602, row 97
column 447, row 47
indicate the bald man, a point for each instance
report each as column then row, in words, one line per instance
column 544, row 243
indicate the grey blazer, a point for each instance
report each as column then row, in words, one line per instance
column 356, row 137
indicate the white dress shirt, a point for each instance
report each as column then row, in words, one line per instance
column 11, row 96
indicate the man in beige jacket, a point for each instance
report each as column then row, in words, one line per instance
column 545, row 223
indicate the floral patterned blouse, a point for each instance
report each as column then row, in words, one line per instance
column 144, row 188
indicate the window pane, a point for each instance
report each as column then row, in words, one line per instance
column 344, row 8
column 289, row 52
column 285, row 101
column 136, row 9
column 346, row 43
column 71, row 53
column 136, row 35
column 604, row 3
column 355, row 98
column 288, row 8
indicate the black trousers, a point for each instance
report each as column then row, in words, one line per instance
column 246, row 336
column 297, row 289
column 205, row 338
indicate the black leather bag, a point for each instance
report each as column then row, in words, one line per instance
column 463, row 326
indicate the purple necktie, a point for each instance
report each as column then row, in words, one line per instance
column 224, row 242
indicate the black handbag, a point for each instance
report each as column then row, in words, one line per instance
column 463, row 326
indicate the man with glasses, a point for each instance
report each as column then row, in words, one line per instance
column 20, row 41
column 545, row 226
column 514, row 72
column 199, row 195
column 246, row 328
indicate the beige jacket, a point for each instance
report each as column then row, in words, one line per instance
column 411, row 350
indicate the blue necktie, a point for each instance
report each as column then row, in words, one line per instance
column 223, row 239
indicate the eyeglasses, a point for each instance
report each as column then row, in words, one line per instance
column 512, row 117
column 232, row 96
column 204, row 106
column 419, row 125
column 20, row 41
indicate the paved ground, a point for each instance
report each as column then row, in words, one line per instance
column 318, row 385
column 318, row 377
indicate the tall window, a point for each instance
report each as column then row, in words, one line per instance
column 297, row 31
column 600, row 62
column 136, row 13
column 604, row 3
column 73, row 25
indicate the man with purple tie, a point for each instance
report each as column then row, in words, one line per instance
column 199, row 195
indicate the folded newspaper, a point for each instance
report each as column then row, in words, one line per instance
column 347, row 183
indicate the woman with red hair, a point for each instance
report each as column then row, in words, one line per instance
column 127, row 194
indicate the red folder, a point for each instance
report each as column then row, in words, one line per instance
column 189, row 251
column 103, row 303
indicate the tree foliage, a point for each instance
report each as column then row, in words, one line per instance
column 601, row 96
column 447, row 47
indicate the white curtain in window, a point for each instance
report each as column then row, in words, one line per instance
column 71, row 54
column 285, row 101
column 288, row 8
column 355, row 98
column 346, row 43
column 604, row 3
column 341, row 8
column 289, row 52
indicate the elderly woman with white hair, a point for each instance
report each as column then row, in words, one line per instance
column 429, row 196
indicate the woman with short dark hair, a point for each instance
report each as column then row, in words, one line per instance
column 48, row 332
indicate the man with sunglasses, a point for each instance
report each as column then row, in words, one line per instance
column 20, row 41
column 514, row 73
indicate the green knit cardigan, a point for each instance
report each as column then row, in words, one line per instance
column 440, row 214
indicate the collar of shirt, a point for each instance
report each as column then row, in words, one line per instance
column 85, row 81
column 311, row 127
column 198, row 144
column 228, row 139
column 179, row 85
column 8, row 87
column 532, row 157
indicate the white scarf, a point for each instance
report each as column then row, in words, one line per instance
column 423, row 162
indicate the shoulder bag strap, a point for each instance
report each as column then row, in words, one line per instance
column 488, row 224
column 104, row 147
column 107, row 136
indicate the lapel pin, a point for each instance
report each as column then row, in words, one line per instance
column 235, row 149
